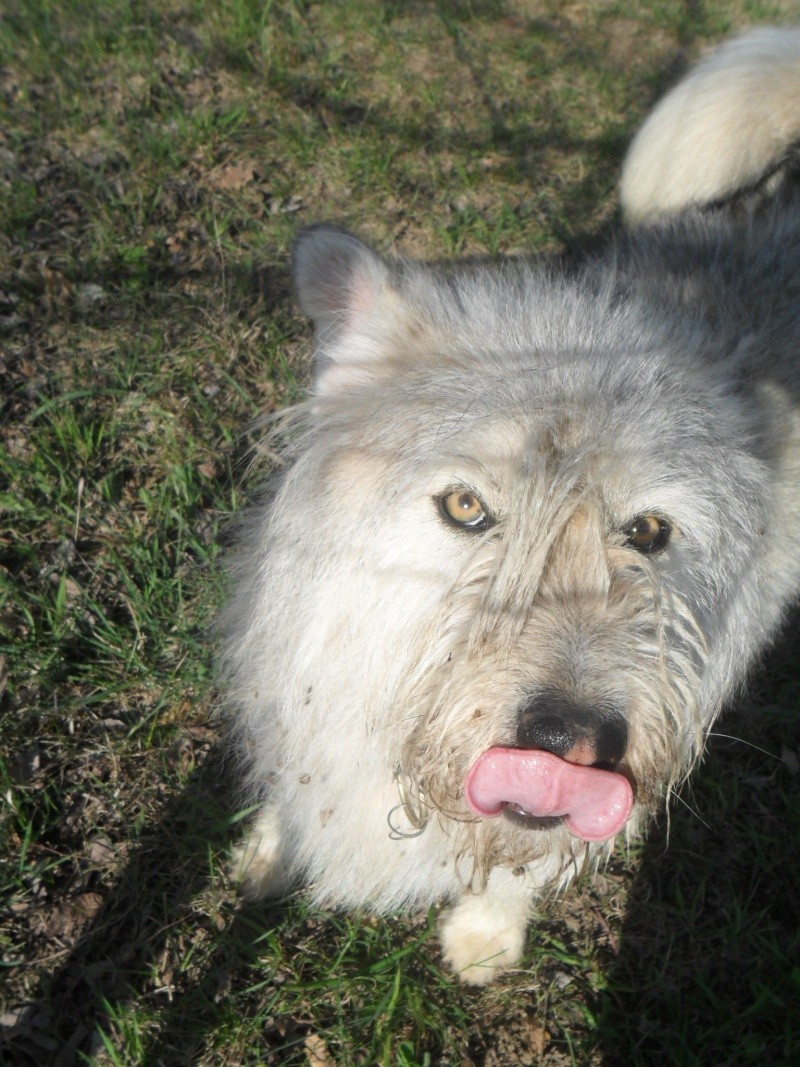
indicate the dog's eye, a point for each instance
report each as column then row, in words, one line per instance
column 465, row 510
column 648, row 533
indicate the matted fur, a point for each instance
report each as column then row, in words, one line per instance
column 372, row 651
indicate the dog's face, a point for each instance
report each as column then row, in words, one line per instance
column 517, row 533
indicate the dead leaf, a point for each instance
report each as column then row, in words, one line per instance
column 70, row 915
column 317, row 1053
column 101, row 851
column 88, row 904
column 233, row 176
column 539, row 1037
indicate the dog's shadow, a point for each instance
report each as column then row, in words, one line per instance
column 129, row 945
column 708, row 964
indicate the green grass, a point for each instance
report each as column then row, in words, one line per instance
column 156, row 160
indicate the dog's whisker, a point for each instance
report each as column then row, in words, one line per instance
column 690, row 809
column 746, row 743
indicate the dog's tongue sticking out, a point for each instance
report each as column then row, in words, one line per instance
column 594, row 803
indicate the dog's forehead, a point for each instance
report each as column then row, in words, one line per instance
column 498, row 432
column 566, row 405
column 500, row 422
column 502, row 373
column 543, row 344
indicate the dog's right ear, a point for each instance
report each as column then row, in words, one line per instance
column 347, row 290
column 337, row 279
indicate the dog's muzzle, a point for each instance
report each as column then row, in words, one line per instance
column 562, row 768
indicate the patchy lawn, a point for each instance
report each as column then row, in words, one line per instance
column 156, row 159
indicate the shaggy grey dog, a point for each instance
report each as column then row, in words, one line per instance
column 533, row 527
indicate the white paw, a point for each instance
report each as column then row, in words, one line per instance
column 257, row 864
column 481, row 939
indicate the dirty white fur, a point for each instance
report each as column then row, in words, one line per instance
column 368, row 640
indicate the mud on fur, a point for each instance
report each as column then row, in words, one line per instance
column 533, row 527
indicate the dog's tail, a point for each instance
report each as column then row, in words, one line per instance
column 728, row 128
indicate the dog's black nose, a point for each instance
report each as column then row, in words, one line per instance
column 593, row 736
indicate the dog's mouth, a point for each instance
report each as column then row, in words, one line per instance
column 542, row 789
column 514, row 813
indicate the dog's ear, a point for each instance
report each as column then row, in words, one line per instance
column 337, row 278
column 347, row 290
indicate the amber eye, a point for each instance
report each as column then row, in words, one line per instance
column 464, row 509
column 648, row 533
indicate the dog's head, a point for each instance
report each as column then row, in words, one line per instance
column 525, row 514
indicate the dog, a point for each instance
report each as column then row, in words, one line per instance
column 532, row 526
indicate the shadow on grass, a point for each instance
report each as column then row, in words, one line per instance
column 708, row 970
column 524, row 149
column 140, row 939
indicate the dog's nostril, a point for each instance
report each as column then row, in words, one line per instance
column 612, row 740
column 593, row 736
column 548, row 732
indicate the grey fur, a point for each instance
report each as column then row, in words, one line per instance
column 366, row 637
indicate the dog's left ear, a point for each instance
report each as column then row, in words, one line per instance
column 347, row 290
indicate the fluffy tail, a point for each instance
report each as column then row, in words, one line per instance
column 732, row 123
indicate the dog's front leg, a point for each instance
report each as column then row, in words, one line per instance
column 484, row 933
column 259, row 863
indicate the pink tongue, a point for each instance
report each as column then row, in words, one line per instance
column 595, row 803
